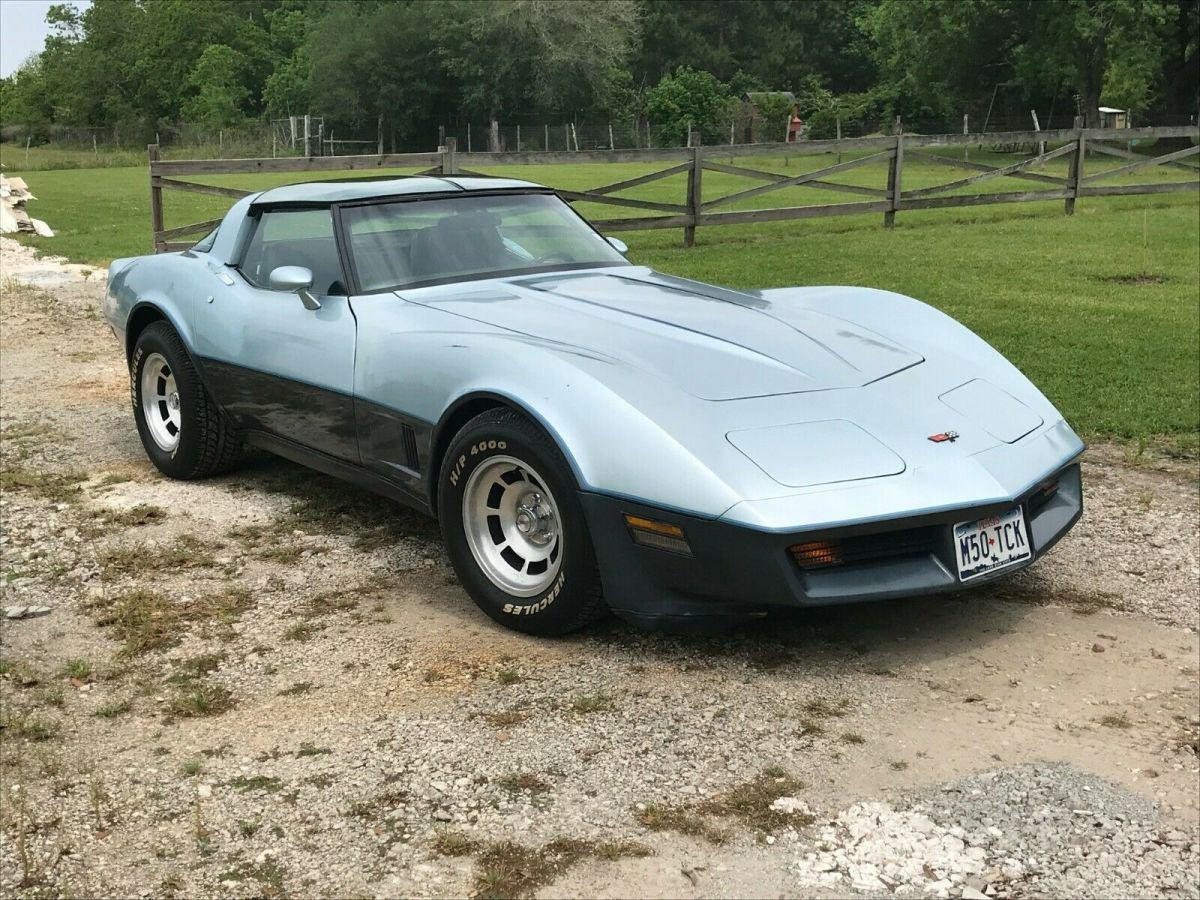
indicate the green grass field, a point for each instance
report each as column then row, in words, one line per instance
column 1060, row 296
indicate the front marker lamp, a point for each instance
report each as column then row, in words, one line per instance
column 659, row 535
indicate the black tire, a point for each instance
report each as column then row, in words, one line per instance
column 207, row 441
column 574, row 599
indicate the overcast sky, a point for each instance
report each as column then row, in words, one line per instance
column 23, row 30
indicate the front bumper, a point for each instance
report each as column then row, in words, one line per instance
column 736, row 572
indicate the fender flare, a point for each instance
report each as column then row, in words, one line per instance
column 147, row 311
column 471, row 404
column 153, row 312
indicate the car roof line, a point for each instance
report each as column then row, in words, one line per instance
column 265, row 199
column 362, row 178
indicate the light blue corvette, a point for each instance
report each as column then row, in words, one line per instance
column 593, row 435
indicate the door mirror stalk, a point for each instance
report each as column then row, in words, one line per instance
column 295, row 280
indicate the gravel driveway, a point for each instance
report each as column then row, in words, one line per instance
column 270, row 684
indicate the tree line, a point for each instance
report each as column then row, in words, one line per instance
column 398, row 69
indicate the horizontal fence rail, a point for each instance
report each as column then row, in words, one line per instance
column 693, row 211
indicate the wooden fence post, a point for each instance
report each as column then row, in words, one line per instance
column 1075, row 173
column 693, row 193
column 895, row 174
column 450, row 157
column 156, row 206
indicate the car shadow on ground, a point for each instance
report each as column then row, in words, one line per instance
column 910, row 631
column 900, row 632
column 324, row 504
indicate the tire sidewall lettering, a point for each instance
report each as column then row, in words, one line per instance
column 531, row 609
column 479, row 447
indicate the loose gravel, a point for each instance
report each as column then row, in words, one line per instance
column 1032, row 830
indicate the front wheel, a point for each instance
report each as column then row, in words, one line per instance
column 514, row 527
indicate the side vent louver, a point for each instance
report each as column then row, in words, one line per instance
column 411, row 460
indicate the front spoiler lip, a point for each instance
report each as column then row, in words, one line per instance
column 738, row 571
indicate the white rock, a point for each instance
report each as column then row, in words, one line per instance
column 868, row 883
column 789, row 805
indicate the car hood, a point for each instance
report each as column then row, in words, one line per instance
column 715, row 344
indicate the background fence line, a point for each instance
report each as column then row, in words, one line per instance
column 694, row 212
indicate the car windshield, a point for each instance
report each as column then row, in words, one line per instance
column 419, row 242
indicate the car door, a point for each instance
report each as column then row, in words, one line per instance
column 276, row 366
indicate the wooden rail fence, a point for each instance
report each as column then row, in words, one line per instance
column 694, row 211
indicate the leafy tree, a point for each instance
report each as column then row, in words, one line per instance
column 220, row 93
column 690, row 99
column 25, row 107
column 773, row 42
column 943, row 55
column 1180, row 90
column 1076, row 44
column 401, row 67
column 510, row 56
column 375, row 68
column 940, row 57
column 286, row 89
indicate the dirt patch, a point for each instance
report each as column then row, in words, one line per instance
column 270, row 683
column 1141, row 278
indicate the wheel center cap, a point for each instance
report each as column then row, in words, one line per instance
column 535, row 520
column 173, row 400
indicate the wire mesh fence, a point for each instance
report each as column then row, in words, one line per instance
column 741, row 128
column 315, row 135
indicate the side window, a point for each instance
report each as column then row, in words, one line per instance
column 295, row 237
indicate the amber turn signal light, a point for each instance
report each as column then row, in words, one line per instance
column 817, row 554
column 659, row 535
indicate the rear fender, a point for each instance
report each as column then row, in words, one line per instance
column 150, row 287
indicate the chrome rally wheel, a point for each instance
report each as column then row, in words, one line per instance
column 160, row 402
column 512, row 526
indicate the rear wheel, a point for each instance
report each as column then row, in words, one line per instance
column 185, row 433
column 514, row 527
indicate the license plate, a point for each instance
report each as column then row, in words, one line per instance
column 990, row 544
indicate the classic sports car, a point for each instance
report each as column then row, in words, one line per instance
column 593, row 435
